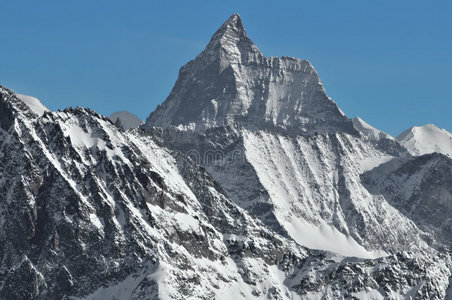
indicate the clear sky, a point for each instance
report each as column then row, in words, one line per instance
column 390, row 62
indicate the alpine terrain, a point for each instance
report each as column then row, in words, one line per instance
column 248, row 182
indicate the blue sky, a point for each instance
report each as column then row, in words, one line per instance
column 389, row 62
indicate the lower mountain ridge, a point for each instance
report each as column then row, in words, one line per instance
column 88, row 211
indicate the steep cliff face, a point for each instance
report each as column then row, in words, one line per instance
column 305, row 187
column 232, row 82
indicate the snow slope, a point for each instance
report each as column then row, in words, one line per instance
column 34, row 104
column 127, row 119
column 317, row 180
column 326, row 237
column 369, row 131
column 427, row 139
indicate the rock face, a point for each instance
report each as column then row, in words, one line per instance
column 420, row 188
column 271, row 193
column 232, row 82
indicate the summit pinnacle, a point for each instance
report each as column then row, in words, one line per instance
column 231, row 82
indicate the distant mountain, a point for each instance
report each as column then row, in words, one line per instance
column 426, row 139
column 126, row 120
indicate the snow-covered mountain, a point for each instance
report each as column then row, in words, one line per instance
column 248, row 182
column 232, row 82
column 125, row 120
column 88, row 211
column 426, row 139
column 300, row 178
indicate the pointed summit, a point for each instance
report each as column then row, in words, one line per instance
column 235, row 20
column 426, row 139
column 232, row 82
column 231, row 43
column 233, row 23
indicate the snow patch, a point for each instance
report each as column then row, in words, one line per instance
column 370, row 163
column 187, row 222
column 83, row 139
column 33, row 103
column 328, row 238
column 371, row 294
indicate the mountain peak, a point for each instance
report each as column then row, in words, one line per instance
column 234, row 21
column 426, row 139
column 230, row 42
column 231, row 82
column 233, row 27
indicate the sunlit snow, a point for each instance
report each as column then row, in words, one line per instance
column 33, row 103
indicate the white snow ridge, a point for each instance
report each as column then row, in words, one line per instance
column 427, row 139
column 369, row 131
column 34, row 104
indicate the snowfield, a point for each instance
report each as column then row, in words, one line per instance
column 426, row 139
